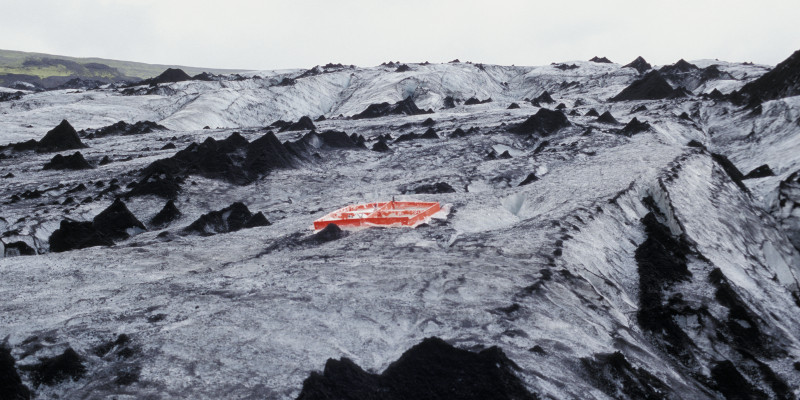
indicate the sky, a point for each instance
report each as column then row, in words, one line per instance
column 277, row 34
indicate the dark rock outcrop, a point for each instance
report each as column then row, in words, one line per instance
column 544, row 122
column 652, row 86
column 431, row 370
column 634, row 126
column 11, row 386
column 639, row 64
column 730, row 169
column 229, row 219
column 62, row 137
column 612, row 374
column 73, row 161
column 404, row 107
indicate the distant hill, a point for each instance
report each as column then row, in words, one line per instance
column 49, row 71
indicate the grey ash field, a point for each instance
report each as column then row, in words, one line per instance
column 580, row 254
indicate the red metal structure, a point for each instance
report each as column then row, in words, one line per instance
column 389, row 213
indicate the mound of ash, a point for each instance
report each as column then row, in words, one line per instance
column 782, row 81
column 9, row 96
column 233, row 159
column 123, row 128
column 431, row 188
column 341, row 140
column 652, row 86
column 732, row 384
column 612, row 373
column 592, row 113
column 229, row 219
column 10, row 383
column 449, row 102
column 404, row 107
column 761, row 171
column 529, row 179
column 403, row 68
column 157, row 183
column 634, row 126
column 54, row 370
column 62, row 137
column 601, row 60
column 680, row 93
column 428, row 122
column 474, row 101
column 16, row 249
column 430, row 370
column 168, row 213
column 430, row 133
column 565, row 67
column 512, row 106
column 639, row 64
column 544, row 122
column 171, row 75
column 73, row 161
column 114, row 223
column 302, row 124
column 543, row 98
column 680, row 67
column 327, row 234
column 607, row 118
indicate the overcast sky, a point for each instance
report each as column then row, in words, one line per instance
column 272, row 34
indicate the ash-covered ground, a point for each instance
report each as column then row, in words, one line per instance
column 631, row 233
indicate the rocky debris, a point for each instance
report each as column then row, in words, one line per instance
column 11, row 386
column 380, row 146
column 732, row 384
column 592, row 113
column 10, row 96
column 171, row 75
column 167, row 214
column 473, row 101
column 404, row 107
column 229, row 219
column 782, row 81
column 114, row 223
column 529, row 179
column 329, row 233
column 639, row 64
column 74, row 161
column 652, row 86
column 54, row 370
column 616, row 377
column 449, row 102
column 543, row 98
column 512, row 106
column 432, row 370
column 635, row 126
column 760, row 172
column 123, row 128
column 117, row 222
column 403, row 68
column 544, row 122
column 302, row 124
column 607, row 118
column 730, row 169
column 680, row 67
column 601, row 60
column 431, row 188
column 233, row 159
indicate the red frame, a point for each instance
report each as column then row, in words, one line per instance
column 405, row 213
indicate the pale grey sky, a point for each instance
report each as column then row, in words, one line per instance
column 276, row 34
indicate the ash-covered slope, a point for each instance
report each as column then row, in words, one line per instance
column 578, row 255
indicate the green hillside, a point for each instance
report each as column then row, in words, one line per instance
column 47, row 65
